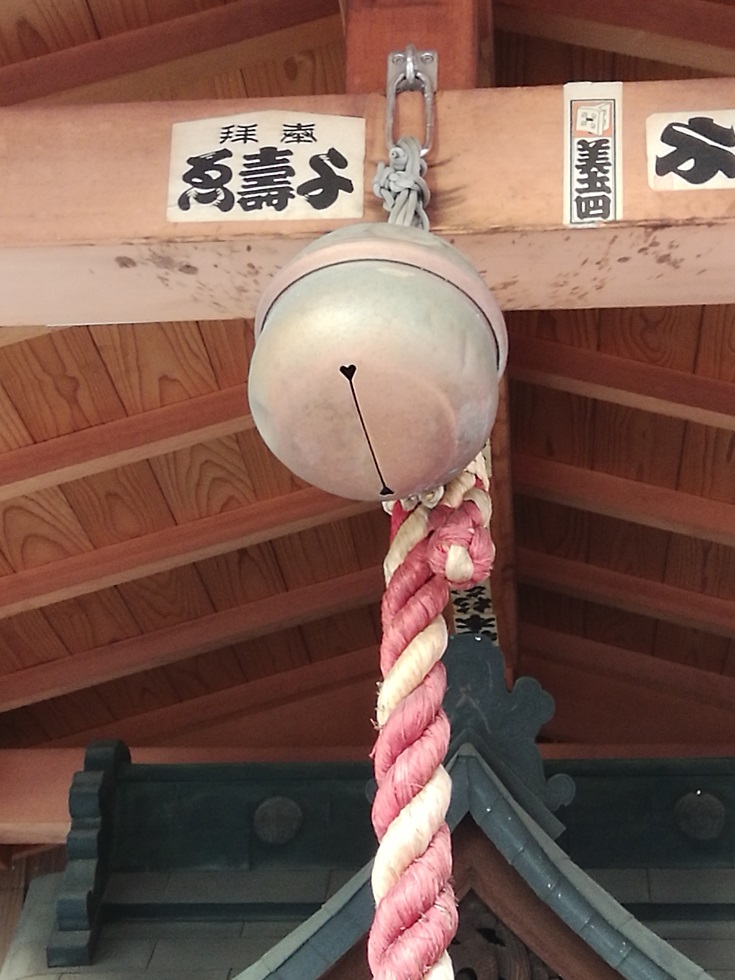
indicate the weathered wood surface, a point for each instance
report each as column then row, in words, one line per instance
column 106, row 253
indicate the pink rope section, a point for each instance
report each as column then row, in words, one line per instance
column 432, row 550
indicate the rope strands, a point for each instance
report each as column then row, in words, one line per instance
column 437, row 543
column 401, row 184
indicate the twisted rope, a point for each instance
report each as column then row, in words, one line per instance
column 401, row 185
column 437, row 543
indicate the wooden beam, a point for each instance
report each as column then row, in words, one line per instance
column 34, row 783
column 123, row 441
column 646, row 597
column 627, row 500
column 145, row 59
column 374, row 28
column 647, row 387
column 251, row 699
column 105, row 252
column 694, row 33
column 173, row 643
column 172, row 547
column 502, row 579
column 606, row 694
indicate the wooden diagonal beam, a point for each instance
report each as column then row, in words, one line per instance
column 647, row 387
column 210, row 41
column 627, row 500
column 124, row 441
column 608, row 694
column 695, row 33
column 174, row 643
column 253, row 697
column 694, row 610
column 172, row 547
column 103, row 242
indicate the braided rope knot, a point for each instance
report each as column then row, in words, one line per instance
column 462, row 551
column 401, row 184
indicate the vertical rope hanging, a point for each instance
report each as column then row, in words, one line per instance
column 438, row 543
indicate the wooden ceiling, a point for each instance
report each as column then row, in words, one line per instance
column 163, row 579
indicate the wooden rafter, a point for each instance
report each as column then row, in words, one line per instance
column 608, row 694
column 634, row 594
column 172, row 547
column 124, row 441
column 137, row 62
column 254, row 698
column 695, row 33
column 647, row 387
column 188, row 639
column 627, row 500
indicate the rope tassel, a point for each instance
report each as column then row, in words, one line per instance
column 436, row 545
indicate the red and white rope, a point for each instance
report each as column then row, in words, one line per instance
column 442, row 542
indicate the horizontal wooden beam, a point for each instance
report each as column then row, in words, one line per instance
column 607, row 694
column 694, row 33
column 123, row 441
column 627, row 500
column 172, row 547
column 173, row 643
column 34, row 783
column 205, row 43
column 694, row 610
column 106, row 253
column 647, row 387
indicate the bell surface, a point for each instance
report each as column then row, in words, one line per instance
column 377, row 359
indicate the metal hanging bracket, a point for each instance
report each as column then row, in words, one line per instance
column 411, row 71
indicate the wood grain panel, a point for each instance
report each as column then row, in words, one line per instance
column 552, row 423
column 242, row 576
column 637, row 445
column 268, row 477
column 229, row 344
column 29, row 28
column 552, row 528
column 203, row 479
column 326, row 638
column 166, row 599
column 13, row 432
column 155, row 364
column 58, row 383
column 708, row 463
column 664, row 336
column 118, row 505
column 716, row 353
column 28, row 639
column 40, row 529
column 578, row 328
column 268, row 655
column 316, row 555
column 702, row 566
column 319, row 71
column 695, row 648
column 90, row 621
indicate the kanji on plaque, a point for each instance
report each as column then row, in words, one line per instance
column 691, row 150
column 592, row 153
column 272, row 165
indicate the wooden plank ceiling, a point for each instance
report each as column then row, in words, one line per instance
column 165, row 580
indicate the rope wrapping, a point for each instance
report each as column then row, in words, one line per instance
column 438, row 543
column 401, row 185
